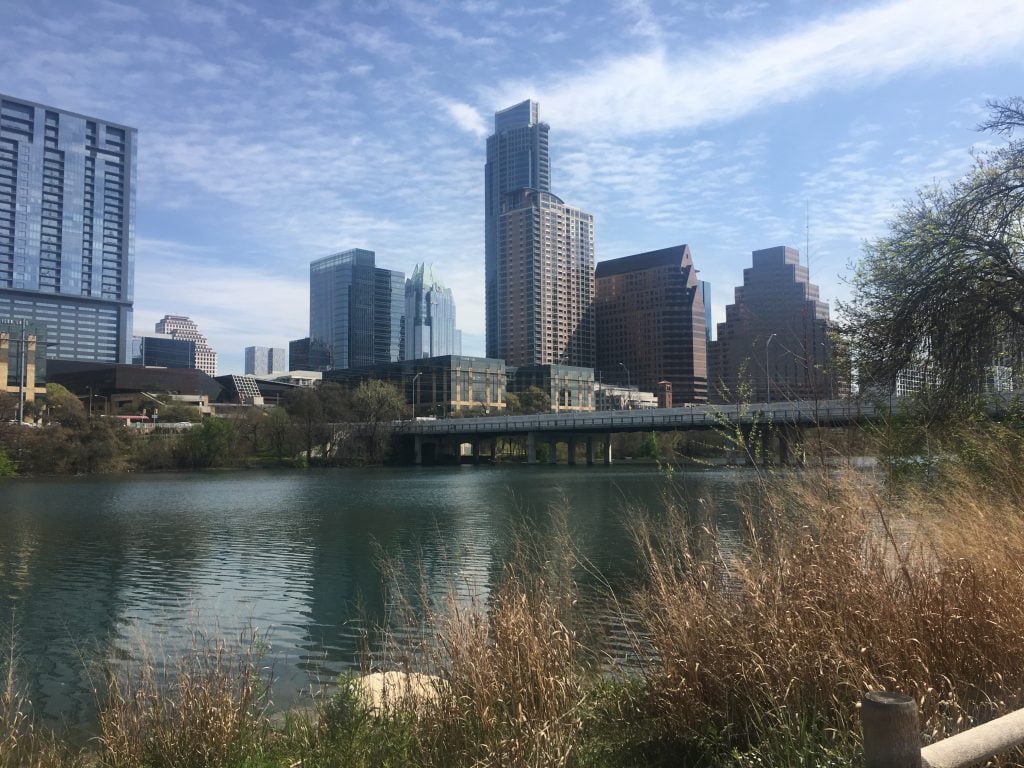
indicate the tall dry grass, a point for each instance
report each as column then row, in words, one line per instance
column 842, row 587
column 204, row 709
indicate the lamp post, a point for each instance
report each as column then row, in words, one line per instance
column 415, row 392
column 629, row 387
column 767, row 372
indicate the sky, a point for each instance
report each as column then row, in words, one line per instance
column 271, row 134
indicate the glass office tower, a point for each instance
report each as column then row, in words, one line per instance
column 356, row 309
column 67, row 228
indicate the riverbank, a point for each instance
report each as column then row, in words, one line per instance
column 750, row 656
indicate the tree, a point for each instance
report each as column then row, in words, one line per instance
column 534, row 400
column 945, row 286
column 374, row 403
column 63, row 406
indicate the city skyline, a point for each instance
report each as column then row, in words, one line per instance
column 270, row 137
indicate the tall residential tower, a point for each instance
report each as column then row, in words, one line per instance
column 67, row 228
column 539, row 252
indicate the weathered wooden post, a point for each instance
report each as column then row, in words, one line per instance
column 891, row 735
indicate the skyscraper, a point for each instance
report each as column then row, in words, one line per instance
column 356, row 309
column 429, row 317
column 539, row 266
column 547, row 257
column 650, row 318
column 67, row 228
column 181, row 327
column 263, row 361
column 517, row 158
column 775, row 338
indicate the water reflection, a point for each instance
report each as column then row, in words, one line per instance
column 101, row 567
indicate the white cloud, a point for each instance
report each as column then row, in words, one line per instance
column 467, row 118
column 654, row 91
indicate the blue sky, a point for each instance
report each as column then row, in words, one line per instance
column 273, row 133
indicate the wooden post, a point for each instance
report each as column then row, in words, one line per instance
column 891, row 735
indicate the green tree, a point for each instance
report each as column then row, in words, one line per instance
column 534, row 400
column 63, row 407
column 945, row 287
column 209, row 445
column 375, row 404
column 7, row 466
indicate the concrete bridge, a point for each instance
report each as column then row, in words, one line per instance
column 783, row 420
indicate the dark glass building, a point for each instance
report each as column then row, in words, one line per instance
column 67, row 228
column 650, row 317
column 163, row 351
column 356, row 309
column 307, row 355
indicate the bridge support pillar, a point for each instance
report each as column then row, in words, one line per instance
column 552, row 450
column 572, row 451
column 531, row 448
column 608, row 449
column 791, row 445
column 476, row 450
column 418, row 448
column 590, row 451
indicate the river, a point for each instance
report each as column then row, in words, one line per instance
column 97, row 568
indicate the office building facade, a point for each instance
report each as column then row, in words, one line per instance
column 22, row 361
column 356, row 309
column 305, row 355
column 263, row 361
column 163, row 351
column 184, row 328
column 429, row 317
column 775, row 342
column 67, row 228
column 650, row 318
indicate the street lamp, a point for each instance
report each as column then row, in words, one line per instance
column 767, row 372
column 629, row 387
column 415, row 391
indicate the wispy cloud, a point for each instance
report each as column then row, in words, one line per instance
column 466, row 117
column 657, row 90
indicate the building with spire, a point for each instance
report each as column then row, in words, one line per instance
column 775, row 342
column 429, row 317
column 539, row 268
column 184, row 328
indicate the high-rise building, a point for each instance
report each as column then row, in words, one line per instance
column 429, row 317
column 775, row 342
column 539, row 252
column 547, row 260
column 705, row 293
column 181, row 327
column 356, row 309
column 164, row 351
column 649, row 312
column 517, row 158
column 67, row 228
column 305, row 355
column 263, row 361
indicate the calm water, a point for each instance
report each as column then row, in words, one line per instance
column 99, row 567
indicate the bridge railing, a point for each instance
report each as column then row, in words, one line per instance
column 892, row 738
column 702, row 416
